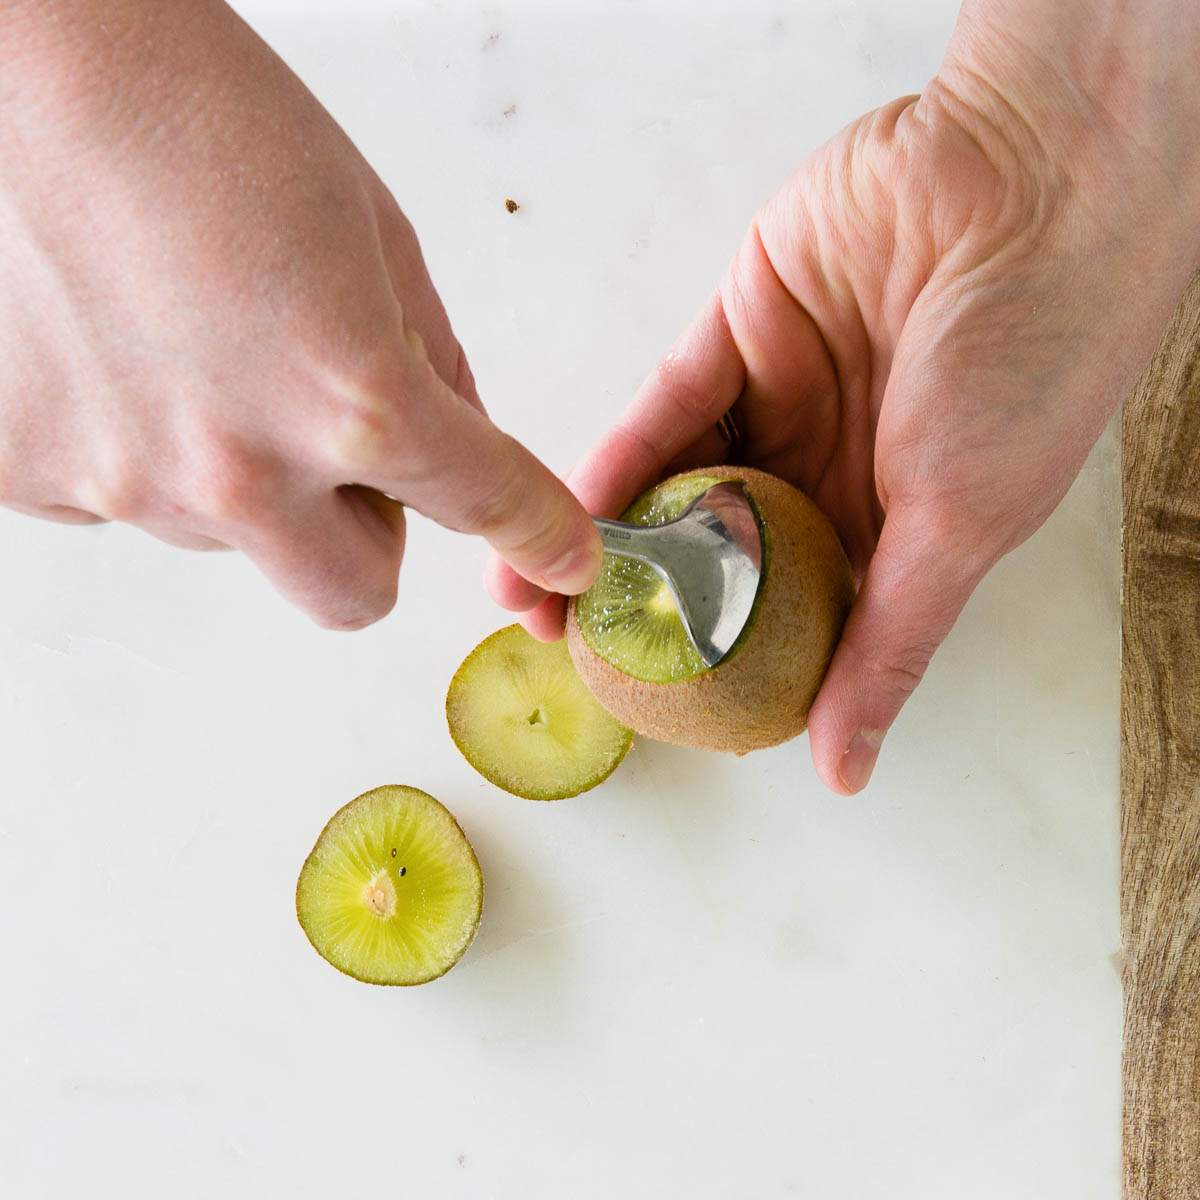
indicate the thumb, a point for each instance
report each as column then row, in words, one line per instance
column 915, row 586
column 464, row 473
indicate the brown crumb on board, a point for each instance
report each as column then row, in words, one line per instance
column 511, row 205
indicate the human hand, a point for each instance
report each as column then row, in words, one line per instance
column 216, row 324
column 928, row 327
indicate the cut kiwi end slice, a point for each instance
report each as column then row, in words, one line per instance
column 392, row 892
column 521, row 716
column 628, row 616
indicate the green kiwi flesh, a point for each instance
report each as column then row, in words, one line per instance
column 521, row 716
column 392, row 892
column 627, row 616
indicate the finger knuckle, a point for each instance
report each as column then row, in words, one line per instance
column 232, row 487
column 350, row 613
column 372, row 410
column 1007, row 182
column 900, row 675
column 117, row 494
column 345, row 621
column 676, row 379
column 535, row 539
column 488, row 509
column 969, row 530
column 464, row 379
column 15, row 457
column 740, row 288
column 359, row 438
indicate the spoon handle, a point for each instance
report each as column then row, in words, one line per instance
column 629, row 541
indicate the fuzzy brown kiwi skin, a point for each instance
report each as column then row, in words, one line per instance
column 760, row 694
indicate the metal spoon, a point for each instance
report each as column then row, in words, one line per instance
column 710, row 558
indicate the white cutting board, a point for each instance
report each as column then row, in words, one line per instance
column 707, row 978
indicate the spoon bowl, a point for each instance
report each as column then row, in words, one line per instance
column 709, row 557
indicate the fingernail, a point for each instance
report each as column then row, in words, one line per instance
column 859, row 759
column 575, row 572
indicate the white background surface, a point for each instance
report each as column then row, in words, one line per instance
column 708, row 977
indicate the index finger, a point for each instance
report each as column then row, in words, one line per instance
column 683, row 398
column 687, row 393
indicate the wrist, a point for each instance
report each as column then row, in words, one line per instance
column 1102, row 97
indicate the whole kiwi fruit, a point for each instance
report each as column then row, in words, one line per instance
column 630, row 648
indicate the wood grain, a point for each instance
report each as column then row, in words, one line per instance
column 1160, row 768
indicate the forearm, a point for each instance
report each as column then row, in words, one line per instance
column 100, row 71
column 55, row 48
column 143, row 99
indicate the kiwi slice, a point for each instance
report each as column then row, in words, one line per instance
column 628, row 616
column 391, row 892
column 521, row 716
